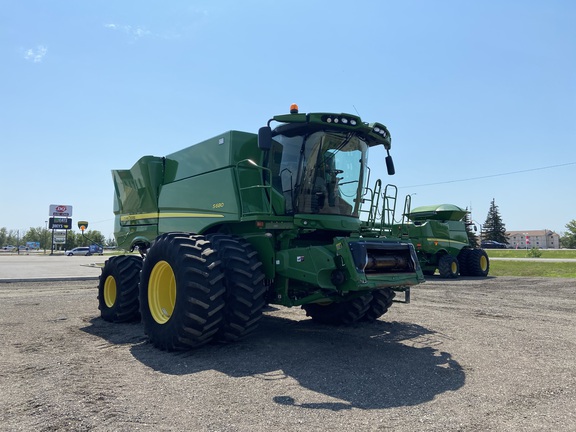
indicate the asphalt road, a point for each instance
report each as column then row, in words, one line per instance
column 40, row 267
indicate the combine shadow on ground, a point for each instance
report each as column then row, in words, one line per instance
column 367, row 366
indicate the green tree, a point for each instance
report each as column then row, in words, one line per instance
column 13, row 237
column 472, row 238
column 568, row 240
column 89, row 237
column 494, row 228
column 3, row 236
column 38, row 234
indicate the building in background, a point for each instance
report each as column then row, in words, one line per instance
column 543, row 239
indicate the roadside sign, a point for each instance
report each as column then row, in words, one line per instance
column 59, row 210
column 60, row 223
column 59, row 237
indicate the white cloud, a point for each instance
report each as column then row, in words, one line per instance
column 134, row 32
column 36, row 55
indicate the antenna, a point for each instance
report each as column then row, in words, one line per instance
column 356, row 110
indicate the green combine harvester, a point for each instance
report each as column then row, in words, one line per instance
column 439, row 235
column 242, row 220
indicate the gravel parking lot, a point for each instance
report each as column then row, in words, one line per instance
column 495, row 354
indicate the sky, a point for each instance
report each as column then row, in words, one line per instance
column 479, row 96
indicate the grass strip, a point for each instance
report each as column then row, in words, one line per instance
column 533, row 269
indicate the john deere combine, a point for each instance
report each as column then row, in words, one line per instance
column 439, row 235
column 242, row 220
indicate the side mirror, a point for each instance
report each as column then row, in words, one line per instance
column 390, row 165
column 265, row 138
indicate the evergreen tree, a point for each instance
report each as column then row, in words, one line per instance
column 568, row 240
column 494, row 228
column 472, row 238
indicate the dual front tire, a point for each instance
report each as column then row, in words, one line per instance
column 470, row 262
column 191, row 290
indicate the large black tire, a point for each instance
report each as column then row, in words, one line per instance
column 478, row 263
column 244, row 282
column 463, row 256
column 448, row 266
column 379, row 305
column 181, row 292
column 344, row 312
column 118, row 289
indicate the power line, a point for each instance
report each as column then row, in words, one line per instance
column 490, row 176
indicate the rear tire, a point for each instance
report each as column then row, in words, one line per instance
column 118, row 289
column 181, row 292
column 381, row 301
column 463, row 256
column 344, row 312
column 448, row 266
column 478, row 263
column 244, row 282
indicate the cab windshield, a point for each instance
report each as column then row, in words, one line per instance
column 322, row 172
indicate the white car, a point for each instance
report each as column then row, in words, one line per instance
column 78, row 251
column 9, row 248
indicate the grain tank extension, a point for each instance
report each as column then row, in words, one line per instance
column 242, row 220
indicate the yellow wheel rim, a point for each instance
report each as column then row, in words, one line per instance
column 110, row 291
column 454, row 267
column 162, row 292
column 483, row 263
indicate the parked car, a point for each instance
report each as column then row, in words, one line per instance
column 9, row 248
column 96, row 249
column 491, row 244
column 93, row 249
column 79, row 251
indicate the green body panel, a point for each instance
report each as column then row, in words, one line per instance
column 222, row 151
column 186, row 205
column 223, row 185
column 324, row 222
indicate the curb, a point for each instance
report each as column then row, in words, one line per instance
column 49, row 279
